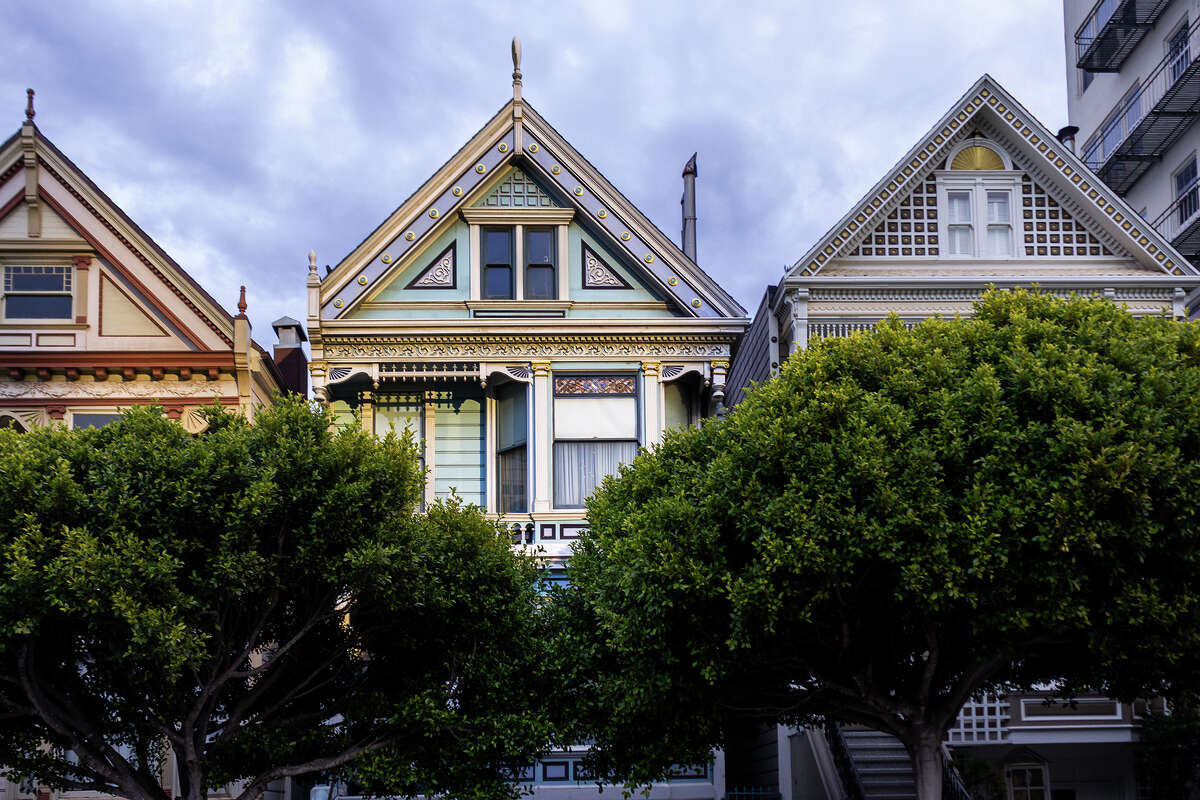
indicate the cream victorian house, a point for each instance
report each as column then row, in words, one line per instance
column 987, row 198
column 526, row 322
column 95, row 317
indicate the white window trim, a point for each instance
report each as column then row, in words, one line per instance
column 518, row 219
column 548, row 431
column 75, row 293
column 1011, row 768
column 979, row 183
column 69, row 417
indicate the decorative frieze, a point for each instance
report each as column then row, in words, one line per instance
column 30, row 390
column 501, row 349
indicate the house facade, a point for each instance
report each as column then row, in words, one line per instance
column 987, row 198
column 532, row 330
column 95, row 317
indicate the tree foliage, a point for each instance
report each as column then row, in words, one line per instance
column 259, row 601
column 901, row 519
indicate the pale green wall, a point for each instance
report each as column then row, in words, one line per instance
column 459, row 445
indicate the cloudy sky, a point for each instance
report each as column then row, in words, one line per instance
column 242, row 134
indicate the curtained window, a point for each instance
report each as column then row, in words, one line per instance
column 512, row 433
column 595, row 431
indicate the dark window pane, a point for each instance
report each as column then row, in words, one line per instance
column 498, row 247
column 539, row 283
column 498, row 283
column 513, row 470
column 93, row 420
column 36, row 306
column 24, row 282
column 539, row 247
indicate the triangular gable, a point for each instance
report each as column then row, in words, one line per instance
column 72, row 207
column 550, row 162
column 517, row 190
column 1095, row 212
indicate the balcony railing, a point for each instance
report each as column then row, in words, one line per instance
column 1112, row 30
column 1150, row 119
column 1180, row 223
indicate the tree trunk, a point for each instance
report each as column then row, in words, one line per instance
column 927, row 766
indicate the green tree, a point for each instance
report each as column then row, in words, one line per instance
column 900, row 520
column 259, row 601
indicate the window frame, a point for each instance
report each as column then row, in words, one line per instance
column 517, row 221
column 555, row 440
column 979, row 183
column 72, row 281
column 1192, row 189
column 498, row 495
column 528, row 265
column 489, row 265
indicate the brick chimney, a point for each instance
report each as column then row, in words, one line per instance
column 289, row 354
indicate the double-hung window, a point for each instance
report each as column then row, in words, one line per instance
column 498, row 264
column 38, row 292
column 595, row 431
column 540, row 280
column 979, row 220
column 512, row 437
column 1186, row 197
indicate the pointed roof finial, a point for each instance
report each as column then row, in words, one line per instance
column 516, row 54
column 29, row 112
column 242, row 303
column 312, row 261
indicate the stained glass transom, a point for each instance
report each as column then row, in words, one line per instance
column 1049, row 230
column 910, row 230
column 594, row 384
column 518, row 191
column 37, row 279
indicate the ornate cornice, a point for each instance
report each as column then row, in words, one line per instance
column 522, row 347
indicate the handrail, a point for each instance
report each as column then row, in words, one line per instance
column 953, row 787
column 1126, row 116
column 851, row 782
column 1169, row 223
column 1101, row 12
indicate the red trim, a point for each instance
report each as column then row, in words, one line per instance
column 13, row 168
column 11, row 204
column 117, row 359
column 116, row 264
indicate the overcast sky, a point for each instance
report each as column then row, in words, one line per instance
column 240, row 135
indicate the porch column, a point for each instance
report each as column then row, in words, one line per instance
column 651, row 403
column 542, row 434
column 798, row 298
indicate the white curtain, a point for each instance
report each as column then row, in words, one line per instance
column 580, row 466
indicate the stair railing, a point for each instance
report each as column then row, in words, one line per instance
column 844, row 762
column 953, row 787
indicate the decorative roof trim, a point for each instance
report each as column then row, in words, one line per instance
column 1051, row 155
column 440, row 273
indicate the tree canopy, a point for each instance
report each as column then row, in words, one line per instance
column 903, row 518
column 260, row 601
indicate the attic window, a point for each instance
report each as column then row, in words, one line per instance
column 37, row 292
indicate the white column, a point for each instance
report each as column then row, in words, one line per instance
column 541, row 435
column 476, row 276
column 719, row 369
column 652, row 423
column 798, row 298
column 430, row 432
column 564, row 265
column 518, row 262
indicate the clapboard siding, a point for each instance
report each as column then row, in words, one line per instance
column 459, row 444
column 753, row 360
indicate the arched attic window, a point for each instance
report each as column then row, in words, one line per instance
column 976, row 196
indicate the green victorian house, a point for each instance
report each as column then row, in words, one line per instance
column 527, row 323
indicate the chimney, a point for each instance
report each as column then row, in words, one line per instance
column 688, row 201
column 289, row 355
column 1067, row 136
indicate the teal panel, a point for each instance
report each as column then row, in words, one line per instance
column 394, row 290
column 517, row 190
column 639, row 291
column 459, row 444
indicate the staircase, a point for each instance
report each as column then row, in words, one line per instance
column 883, row 766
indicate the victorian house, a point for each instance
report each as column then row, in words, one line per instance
column 532, row 329
column 95, row 317
column 987, row 198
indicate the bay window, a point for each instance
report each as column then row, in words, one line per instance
column 595, row 431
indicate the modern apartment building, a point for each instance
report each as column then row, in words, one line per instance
column 1133, row 92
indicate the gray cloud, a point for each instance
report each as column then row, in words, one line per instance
column 240, row 135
